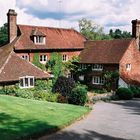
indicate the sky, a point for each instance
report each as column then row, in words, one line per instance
column 110, row 14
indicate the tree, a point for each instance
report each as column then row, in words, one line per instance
column 4, row 34
column 118, row 34
column 91, row 30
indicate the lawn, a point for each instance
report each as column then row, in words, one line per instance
column 24, row 118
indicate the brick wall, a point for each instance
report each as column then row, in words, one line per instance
column 131, row 56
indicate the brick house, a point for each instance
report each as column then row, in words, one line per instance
column 120, row 55
column 43, row 40
column 14, row 69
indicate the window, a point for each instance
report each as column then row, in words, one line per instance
column 43, row 59
column 26, row 82
column 64, row 57
column 97, row 80
column 39, row 40
column 97, row 67
column 83, row 66
column 81, row 77
column 128, row 67
column 25, row 57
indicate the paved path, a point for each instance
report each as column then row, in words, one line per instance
column 119, row 120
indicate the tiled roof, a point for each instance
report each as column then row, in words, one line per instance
column 105, row 51
column 56, row 38
column 15, row 67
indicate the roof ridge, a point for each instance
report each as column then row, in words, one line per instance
column 7, row 60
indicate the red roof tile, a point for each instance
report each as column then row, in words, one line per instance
column 105, row 51
column 56, row 38
column 15, row 67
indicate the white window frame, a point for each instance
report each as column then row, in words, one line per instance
column 97, row 80
column 29, row 82
column 97, row 67
column 25, row 57
column 39, row 40
column 43, row 58
column 64, row 57
column 83, row 66
column 128, row 66
column 81, row 77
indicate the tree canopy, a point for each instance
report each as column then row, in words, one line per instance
column 4, row 34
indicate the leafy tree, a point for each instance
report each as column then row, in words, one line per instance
column 55, row 65
column 4, row 34
column 118, row 34
column 91, row 30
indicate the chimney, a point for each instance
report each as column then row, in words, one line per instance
column 12, row 25
column 136, row 31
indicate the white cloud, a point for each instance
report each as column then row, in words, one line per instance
column 108, row 13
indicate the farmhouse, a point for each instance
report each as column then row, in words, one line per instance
column 119, row 55
column 96, row 57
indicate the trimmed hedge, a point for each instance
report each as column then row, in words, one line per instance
column 124, row 93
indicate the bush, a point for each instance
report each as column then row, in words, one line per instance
column 62, row 99
column 25, row 93
column 41, row 85
column 78, row 95
column 124, row 93
column 8, row 90
column 64, row 86
column 136, row 91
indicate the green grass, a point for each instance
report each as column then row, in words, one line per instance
column 23, row 118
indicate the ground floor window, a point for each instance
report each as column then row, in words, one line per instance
column 26, row 82
column 97, row 80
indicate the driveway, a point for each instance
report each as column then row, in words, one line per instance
column 118, row 120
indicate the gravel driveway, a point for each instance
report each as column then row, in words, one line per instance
column 118, row 120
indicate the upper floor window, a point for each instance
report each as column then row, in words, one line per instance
column 128, row 67
column 97, row 80
column 43, row 58
column 64, row 57
column 83, row 66
column 25, row 57
column 97, row 67
column 39, row 39
column 26, row 82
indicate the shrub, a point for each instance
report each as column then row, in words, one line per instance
column 62, row 99
column 78, row 95
column 64, row 86
column 124, row 93
column 40, row 84
column 25, row 93
column 136, row 91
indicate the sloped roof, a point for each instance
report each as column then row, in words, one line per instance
column 105, row 51
column 15, row 67
column 56, row 38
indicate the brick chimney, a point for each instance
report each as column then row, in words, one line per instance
column 12, row 25
column 136, row 31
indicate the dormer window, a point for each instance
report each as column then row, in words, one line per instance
column 39, row 40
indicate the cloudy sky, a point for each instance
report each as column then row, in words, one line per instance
column 66, row 13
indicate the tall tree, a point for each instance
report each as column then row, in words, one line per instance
column 91, row 30
column 118, row 34
column 4, row 34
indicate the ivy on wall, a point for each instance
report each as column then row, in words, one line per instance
column 37, row 63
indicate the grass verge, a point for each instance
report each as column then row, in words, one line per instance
column 24, row 119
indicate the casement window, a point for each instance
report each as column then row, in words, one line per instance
column 43, row 59
column 81, row 77
column 97, row 67
column 97, row 80
column 64, row 57
column 39, row 40
column 128, row 67
column 25, row 57
column 26, row 82
column 83, row 66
